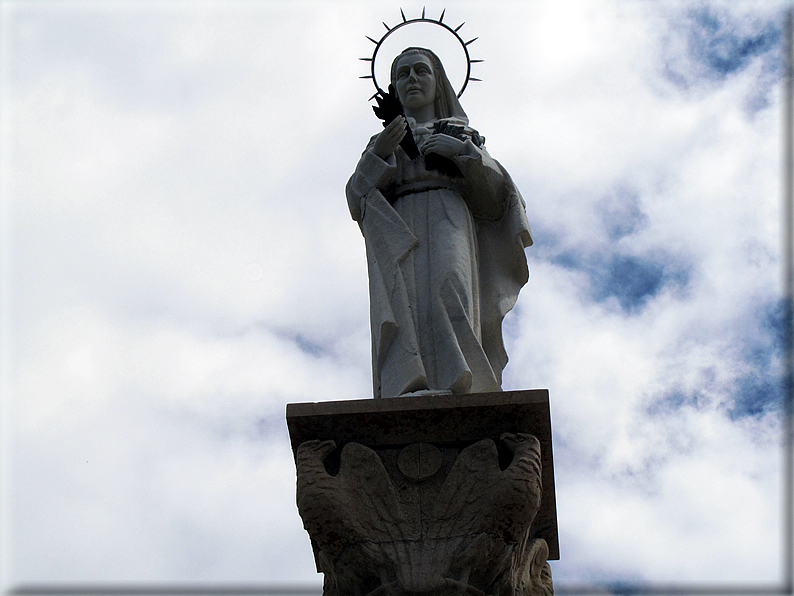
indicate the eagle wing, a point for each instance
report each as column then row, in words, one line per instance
column 373, row 506
column 463, row 505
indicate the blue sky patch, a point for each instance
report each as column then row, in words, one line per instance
column 621, row 214
column 761, row 389
column 673, row 400
column 304, row 344
column 308, row 346
column 707, row 45
column 716, row 43
column 632, row 279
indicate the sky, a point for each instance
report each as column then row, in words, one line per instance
column 178, row 263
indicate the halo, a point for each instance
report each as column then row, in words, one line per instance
column 389, row 30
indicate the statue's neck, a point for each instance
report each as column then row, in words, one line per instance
column 422, row 115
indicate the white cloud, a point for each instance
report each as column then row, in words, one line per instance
column 182, row 264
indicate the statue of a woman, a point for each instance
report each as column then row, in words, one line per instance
column 445, row 236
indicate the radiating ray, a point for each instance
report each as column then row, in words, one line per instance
column 423, row 18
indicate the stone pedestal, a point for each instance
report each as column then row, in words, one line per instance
column 436, row 495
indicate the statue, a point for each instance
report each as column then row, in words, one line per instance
column 445, row 235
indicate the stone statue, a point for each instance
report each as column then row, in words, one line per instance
column 445, row 235
column 461, row 529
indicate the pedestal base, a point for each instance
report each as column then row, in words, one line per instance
column 449, row 494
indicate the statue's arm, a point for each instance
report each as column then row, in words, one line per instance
column 486, row 184
column 371, row 172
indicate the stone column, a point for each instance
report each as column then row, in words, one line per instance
column 432, row 495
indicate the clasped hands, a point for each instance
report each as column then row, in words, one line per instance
column 439, row 143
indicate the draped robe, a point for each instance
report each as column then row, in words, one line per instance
column 445, row 255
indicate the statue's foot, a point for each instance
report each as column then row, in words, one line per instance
column 427, row 392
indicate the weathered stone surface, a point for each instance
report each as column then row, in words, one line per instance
column 449, row 501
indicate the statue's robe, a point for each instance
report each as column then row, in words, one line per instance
column 445, row 254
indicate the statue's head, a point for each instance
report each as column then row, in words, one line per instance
column 419, row 78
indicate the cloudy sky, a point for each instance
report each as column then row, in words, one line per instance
column 178, row 263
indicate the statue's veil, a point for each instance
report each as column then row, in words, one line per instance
column 446, row 102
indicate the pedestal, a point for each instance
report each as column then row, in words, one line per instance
column 450, row 494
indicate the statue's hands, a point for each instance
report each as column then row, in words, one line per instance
column 442, row 144
column 388, row 140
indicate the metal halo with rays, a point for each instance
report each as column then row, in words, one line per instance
column 422, row 19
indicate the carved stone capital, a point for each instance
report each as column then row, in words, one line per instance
column 378, row 530
column 431, row 516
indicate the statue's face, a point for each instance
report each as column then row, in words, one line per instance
column 415, row 81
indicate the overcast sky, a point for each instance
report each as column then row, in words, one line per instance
column 178, row 263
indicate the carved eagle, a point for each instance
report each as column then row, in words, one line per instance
column 476, row 535
column 357, row 508
column 483, row 513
